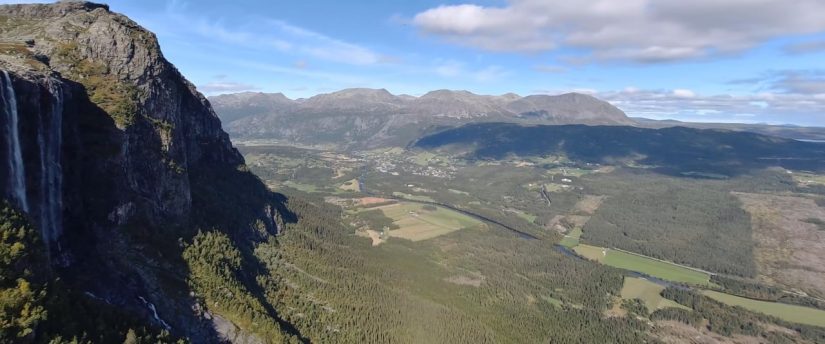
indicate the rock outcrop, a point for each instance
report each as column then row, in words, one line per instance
column 116, row 157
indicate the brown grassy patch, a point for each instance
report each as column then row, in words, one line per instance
column 373, row 200
column 588, row 205
column 788, row 246
column 677, row 332
column 375, row 236
column 472, row 281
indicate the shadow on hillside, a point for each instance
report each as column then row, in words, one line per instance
column 101, row 270
column 676, row 151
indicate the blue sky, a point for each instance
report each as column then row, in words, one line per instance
column 700, row 60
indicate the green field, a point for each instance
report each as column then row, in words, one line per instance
column 645, row 265
column 300, row 186
column 420, row 198
column 527, row 217
column 554, row 301
column 423, row 158
column 648, row 292
column 417, row 223
column 571, row 239
column 792, row 313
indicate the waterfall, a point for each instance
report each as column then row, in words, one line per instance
column 50, row 140
column 155, row 313
column 17, row 175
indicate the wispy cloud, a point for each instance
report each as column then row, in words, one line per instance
column 776, row 107
column 226, row 87
column 458, row 69
column 265, row 34
column 806, row 47
column 551, row 69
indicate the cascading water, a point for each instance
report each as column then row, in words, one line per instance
column 17, row 175
column 50, row 140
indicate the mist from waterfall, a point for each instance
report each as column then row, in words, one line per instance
column 17, row 174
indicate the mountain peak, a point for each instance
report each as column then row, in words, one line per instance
column 361, row 91
column 354, row 99
column 56, row 9
column 568, row 108
column 443, row 93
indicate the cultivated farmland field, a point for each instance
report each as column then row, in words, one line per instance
column 648, row 292
column 420, row 198
column 645, row 265
column 571, row 239
column 419, row 223
column 792, row 313
column 591, row 252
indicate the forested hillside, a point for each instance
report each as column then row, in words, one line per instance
column 674, row 150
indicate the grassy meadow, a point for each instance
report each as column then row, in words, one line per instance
column 645, row 265
column 648, row 292
column 421, row 222
column 792, row 313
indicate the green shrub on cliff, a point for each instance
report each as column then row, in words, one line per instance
column 21, row 299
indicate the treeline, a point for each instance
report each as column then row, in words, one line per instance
column 334, row 287
column 35, row 308
column 376, row 220
column 728, row 321
column 215, row 265
column 764, row 292
column 690, row 222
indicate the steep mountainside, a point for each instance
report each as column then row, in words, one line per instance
column 369, row 118
column 118, row 162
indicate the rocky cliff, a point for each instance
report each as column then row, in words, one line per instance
column 117, row 160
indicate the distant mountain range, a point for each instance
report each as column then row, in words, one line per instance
column 362, row 117
column 368, row 118
column 781, row 130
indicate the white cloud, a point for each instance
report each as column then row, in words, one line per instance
column 637, row 30
column 806, row 47
column 457, row 69
column 590, row 91
column 323, row 47
column 683, row 93
column 490, row 73
column 226, row 87
column 779, row 107
column 802, row 82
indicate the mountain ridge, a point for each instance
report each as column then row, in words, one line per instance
column 535, row 102
column 368, row 118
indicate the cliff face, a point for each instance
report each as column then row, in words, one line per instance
column 114, row 156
